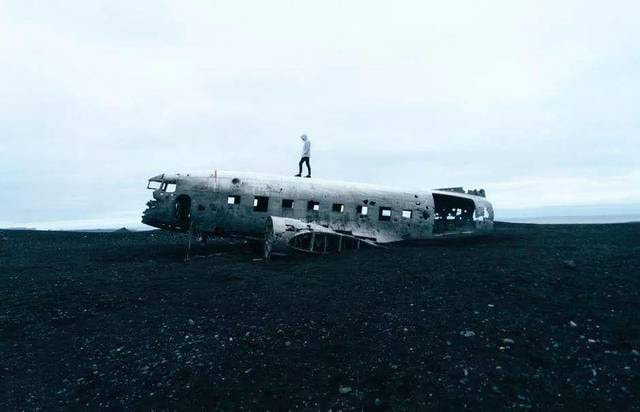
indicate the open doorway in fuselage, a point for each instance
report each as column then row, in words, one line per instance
column 183, row 212
column 453, row 214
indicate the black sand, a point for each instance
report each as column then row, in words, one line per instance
column 120, row 320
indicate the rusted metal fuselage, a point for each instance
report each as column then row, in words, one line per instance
column 310, row 215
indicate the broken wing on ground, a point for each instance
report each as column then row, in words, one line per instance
column 284, row 234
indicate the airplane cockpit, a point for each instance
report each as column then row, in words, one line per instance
column 163, row 211
column 159, row 183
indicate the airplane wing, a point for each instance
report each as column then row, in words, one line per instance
column 285, row 236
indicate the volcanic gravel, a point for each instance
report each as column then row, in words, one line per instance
column 532, row 317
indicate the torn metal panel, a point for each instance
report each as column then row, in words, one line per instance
column 284, row 236
column 248, row 204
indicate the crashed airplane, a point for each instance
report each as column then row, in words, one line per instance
column 310, row 215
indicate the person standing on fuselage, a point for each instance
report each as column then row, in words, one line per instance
column 306, row 154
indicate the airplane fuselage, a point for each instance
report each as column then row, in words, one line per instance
column 234, row 203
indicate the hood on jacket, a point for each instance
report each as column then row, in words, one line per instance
column 304, row 137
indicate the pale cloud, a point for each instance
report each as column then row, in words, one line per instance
column 536, row 102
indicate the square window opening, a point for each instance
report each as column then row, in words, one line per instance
column 362, row 210
column 287, row 204
column 170, row 188
column 406, row 214
column 260, row 204
column 313, row 205
column 338, row 207
column 385, row 213
column 233, row 200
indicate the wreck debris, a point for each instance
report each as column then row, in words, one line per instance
column 284, row 235
column 311, row 216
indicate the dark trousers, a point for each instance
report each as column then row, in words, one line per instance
column 304, row 160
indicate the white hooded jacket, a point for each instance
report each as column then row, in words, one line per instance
column 306, row 147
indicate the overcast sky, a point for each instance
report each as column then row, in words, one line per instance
column 538, row 102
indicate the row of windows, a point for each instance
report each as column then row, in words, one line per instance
column 261, row 204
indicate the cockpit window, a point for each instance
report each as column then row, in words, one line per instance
column 155, row 185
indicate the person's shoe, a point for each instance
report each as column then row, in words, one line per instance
column 308, row 176
column 298, row 175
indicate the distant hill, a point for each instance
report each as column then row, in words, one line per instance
column 121, row 230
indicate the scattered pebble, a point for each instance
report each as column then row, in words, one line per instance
column 344, row 390
column 160, row 364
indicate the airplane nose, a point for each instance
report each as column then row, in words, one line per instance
column 149, row 216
